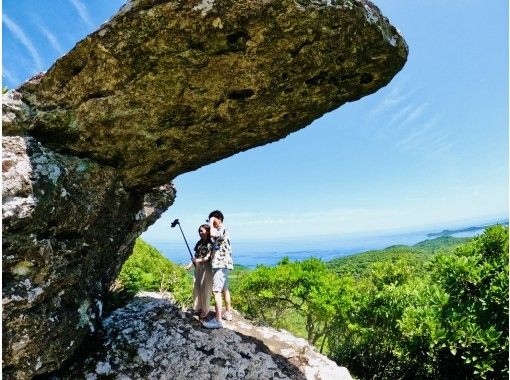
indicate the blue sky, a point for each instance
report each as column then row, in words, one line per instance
column 428, row 151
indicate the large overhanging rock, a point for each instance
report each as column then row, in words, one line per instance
column 163, row 88
column 166, row 87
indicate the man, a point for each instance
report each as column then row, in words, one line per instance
column 221, row 262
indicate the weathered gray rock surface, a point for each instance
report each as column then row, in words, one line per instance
column 68, row 225
column 161, row 89
column 297, row 351
column 150, row 338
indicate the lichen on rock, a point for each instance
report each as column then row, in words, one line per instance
column 151, row 338
column 66, row 233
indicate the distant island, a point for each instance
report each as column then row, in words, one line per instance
column 467, row 229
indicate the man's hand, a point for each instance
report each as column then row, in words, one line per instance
column 214, row 222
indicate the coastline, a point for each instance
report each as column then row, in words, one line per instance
column 251, row 254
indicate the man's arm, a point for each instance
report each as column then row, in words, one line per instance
column 216, row 233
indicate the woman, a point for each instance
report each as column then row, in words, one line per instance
column 202, row 284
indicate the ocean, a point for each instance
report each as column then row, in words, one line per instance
column 251, row 254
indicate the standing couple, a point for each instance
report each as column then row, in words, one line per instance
column 213, row 257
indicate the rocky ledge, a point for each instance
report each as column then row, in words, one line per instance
column 151, row 338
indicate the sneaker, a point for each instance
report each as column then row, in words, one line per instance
column 212, row 324
column 227, row 316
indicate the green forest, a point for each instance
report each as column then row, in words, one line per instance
column 435, row 310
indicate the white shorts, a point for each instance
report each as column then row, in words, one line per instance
column 220, row 281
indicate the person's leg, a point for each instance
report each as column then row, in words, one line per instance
column 217, row 287
column 196, row 292
column 226, row 295
column 228, row 313
column 207, row 290
column 218, row 283
column 198, row 289
column 218, row 302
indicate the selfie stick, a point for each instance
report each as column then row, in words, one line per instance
column 175, row 223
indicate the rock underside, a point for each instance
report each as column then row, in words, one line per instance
column 164, row 87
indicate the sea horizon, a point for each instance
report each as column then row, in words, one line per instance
column 251, row 254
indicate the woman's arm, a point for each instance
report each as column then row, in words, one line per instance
column 206, row 257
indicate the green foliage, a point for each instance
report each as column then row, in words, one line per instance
column 359, row 265
column 147, row 269
column 367, row 340
column 235, row 278
column 4, row 90
column 437, row 310
column 448, row 322
column 305, row 292
column 443, row 244
column 475, row 317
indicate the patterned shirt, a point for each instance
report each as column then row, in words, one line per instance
column 202, row 249
column 222, row 249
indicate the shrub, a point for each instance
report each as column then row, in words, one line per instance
column 475, row 316
column 450, row 322
column 365, row 336
column 304, row 292
column 147, row 269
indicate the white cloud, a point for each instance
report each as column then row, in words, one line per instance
column 440, row 146
column 306, row 217
column 415, row 113
column 252, row 225
column 52, row 39
column 403, row 112
column 407, row 114
column 418, row 135
column 432, row 145
column 20, row 35
column 428, row 139
column 7, row 74
column 310, row 223
column 394, row 98
column 82, row 12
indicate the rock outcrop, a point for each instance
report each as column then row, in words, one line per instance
column 161, row 89
column 297, row 351
column 150, row 338
column 68, row 225
column 166, row 87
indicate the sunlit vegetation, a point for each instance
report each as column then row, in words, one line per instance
column 436, row 310
column 430, row 312
column 147, row 269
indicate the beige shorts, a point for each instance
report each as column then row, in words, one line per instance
column 220, row 281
